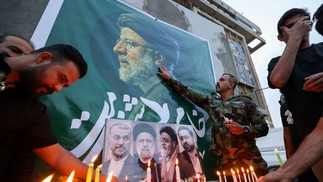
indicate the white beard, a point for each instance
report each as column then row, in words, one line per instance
column 137, row 71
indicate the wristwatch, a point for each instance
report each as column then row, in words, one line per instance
column 246, row 129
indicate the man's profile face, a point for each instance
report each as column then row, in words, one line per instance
column 223, row 84
column 119, row 141
column 145, row 145
column 167, row 145
column 47, row 78
column 136, row 63
column 186, row 140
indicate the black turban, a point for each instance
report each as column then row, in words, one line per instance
column 171, row 132
column 143, row 127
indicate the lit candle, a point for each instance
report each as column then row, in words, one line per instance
column 97, row 173
column 148, row 175
column 198, row 178
column 238, row 175
column 178, row 175
column 219, row 174
column 48, row 178
column 70, row 178
column 109, row 179
column 278, row 157
column 248, row 174
column 90, row 169
column 253, row 174
column 244, row 174
column 234, row 176
column 225, row 178
column 126, row 178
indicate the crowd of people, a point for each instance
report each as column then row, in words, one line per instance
column 26, row 74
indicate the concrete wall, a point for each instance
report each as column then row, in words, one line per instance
column 21, row 16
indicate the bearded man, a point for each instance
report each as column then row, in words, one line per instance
column 144, row 136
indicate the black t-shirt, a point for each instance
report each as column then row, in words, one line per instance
column 305, row 106
column 24, row 125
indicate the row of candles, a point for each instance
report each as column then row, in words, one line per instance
column 89, row 173
column 247, row 176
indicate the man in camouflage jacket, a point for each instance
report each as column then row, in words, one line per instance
column 236, row 122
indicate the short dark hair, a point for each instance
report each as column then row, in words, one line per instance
column 232, row 79
column 63, row 53
column 288, row 14
column 170, row 131
column 318, row 17
column 143, row 127
column 185, row 128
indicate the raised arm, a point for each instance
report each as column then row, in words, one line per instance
column 310, row 153
column 294, row 38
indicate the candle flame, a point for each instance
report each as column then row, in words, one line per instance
column 176, row 161
column 148, row 163
column 223, row 173
column 247, row 170
column 49, row 178
column 242, row 169
column 232, row 171
column 70, row 178
column 109, row 177
column 218, row 173
column 251, row 169
column 237, row 170
column 198, row 176
column 126, row 178
column 94, row 158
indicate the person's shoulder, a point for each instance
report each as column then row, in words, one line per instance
column 243, row 98
column 318, row 45
column 274, row 59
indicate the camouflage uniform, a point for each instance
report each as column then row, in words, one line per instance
column 233, row 150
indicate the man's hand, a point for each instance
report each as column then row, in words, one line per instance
column 273, row 177
column 234, row 127
column 314, row 82
column 163, row 73
column 299, row 29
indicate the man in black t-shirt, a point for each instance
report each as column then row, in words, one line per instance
column 25, row 124
column 297, row 73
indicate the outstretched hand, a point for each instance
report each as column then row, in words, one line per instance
column 163, row 73
column 274, row 176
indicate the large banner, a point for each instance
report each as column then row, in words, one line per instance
column 124, row 47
